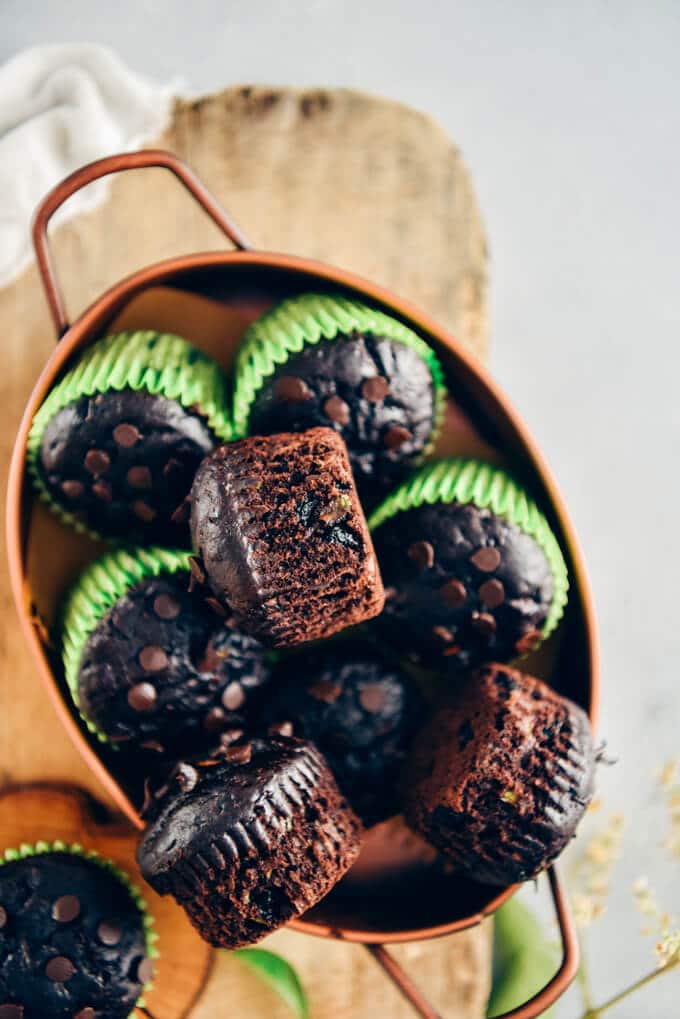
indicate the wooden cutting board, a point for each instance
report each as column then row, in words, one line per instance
column 337, row 175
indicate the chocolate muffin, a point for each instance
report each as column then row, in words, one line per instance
column 359, row 711
column 114, row 448
column 501, row 775
column 153, row 665
column 278, row 528
column 250, row 839
column 74, row 940
column 328, row 360
column 471, row 568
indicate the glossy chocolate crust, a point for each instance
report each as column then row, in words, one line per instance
column 359, row 711
column 72, row 942
column 277, row 525
column 463, row 586
column 250, row 839
column 163, row 670
column 375, row 392
column 501, row 775
column 124, row 462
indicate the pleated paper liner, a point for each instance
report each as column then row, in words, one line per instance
column 159, row 363
column 483, row 485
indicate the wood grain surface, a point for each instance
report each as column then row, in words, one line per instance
column 333, row 174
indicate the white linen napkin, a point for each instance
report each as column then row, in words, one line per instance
column 62, row 106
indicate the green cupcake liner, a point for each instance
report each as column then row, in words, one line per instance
column 40, row 848
column 160, row 363
column 487, row 487
column 96, row 591
column 309, row 319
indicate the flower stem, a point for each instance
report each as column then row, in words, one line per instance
column 594, row 1013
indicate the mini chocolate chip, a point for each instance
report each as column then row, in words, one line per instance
column 376, row 389
column 142, row 697
column 239, row 753
column 325, row 690
column 214, row 720
column 528, row 641
column 484, row 623
column 97, row 461
column 139, row 477
column 337, row 410
column 233, row 696
column 153, row 658
column 3, row 917
column 422, row 554
column 173, row 468
column 186, row 777
column 166, row 607
column 59, row 969
column 396, row 436
column 66, row 908
column 181, row 514
column 197, row 571
column 143, row 511
column 217, row 607
column 72, row 489
column 9, row 1011
column 145, row 971
column 292, row 389
column 281, row 729
column 103, row 491
column 492, row 593
column 443, row 633
column 85, row 1013
column 109, row 933
column 126, row 435
column 453, row 593
column 486, row 559
column 372, row 697
column 230, row 736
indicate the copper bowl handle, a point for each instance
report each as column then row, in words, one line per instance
column 102, row 168
column 536, row 1005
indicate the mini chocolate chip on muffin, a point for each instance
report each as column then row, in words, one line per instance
column 75, row 942
column 360, row 712
column 153, row 665
column 115, row 446
column 501, row 775
column 472, row 570
column 249, row 839
column 328, row 360
column 279, row 530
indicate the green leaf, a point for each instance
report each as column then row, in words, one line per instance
column 523, row 958
column 280, row 976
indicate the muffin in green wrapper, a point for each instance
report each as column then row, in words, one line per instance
column 325, row 359
column 76, row 939
column 151, row 664
column 472, row 570
column 115, row 446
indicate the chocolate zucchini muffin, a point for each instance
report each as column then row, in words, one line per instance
column 328, row 360
column 115, row 446
column 75, row 942
column 250, row 839
column 471, row 568
column 279, row 531
column 501, row 775
column 152, row 665
column 359, row 711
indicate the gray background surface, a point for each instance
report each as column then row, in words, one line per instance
column 568, row 116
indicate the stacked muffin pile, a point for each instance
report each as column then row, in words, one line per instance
column 271, row 738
